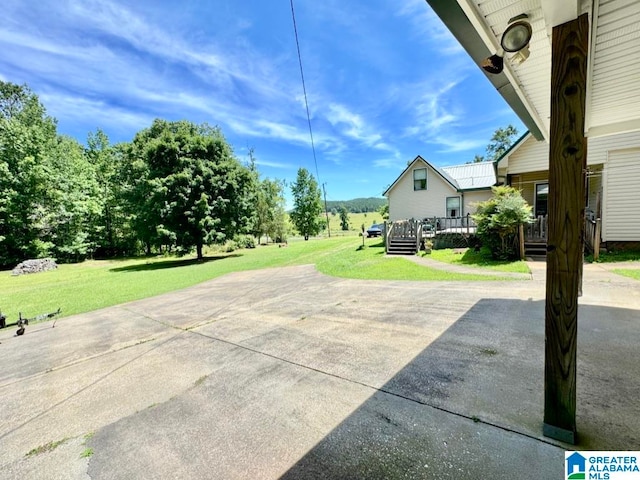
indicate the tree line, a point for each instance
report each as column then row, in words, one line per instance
column 176, row 187
column 356, row 205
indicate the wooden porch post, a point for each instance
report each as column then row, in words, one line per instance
column 567, row 165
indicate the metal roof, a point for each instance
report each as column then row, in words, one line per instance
column 472, row 176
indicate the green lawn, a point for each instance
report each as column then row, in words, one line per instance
column 370, row 263
column 92, row 285
column 469, row 257
column 355, row 223
column 627, row 272
column 616, row 256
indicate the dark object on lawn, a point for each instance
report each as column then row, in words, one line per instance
column 375, row 230
column 22, row 322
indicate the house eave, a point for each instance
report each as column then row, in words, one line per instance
column 419, row 158
column 456, row 20
column 514, row 146
column 476, row 189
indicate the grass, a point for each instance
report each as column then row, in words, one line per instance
column 91, row 285
column 355, row 223
column 370, row 263
column 47, row 447
column 615, row 256
column 469, row 257
column 86, row 453
column 628, row 272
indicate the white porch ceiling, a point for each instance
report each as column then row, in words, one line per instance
column 613, row 96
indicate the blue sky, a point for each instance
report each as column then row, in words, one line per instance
column 385, row 80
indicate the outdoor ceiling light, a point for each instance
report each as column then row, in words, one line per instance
column 515, row 39
column 516, row 36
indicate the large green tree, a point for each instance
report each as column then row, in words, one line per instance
column 270, row 210
column 500, row 142
column 73, row 203
column 27, row 137
column 307, row 204
column 193, row 191
column 114, row 218
column 344, row 218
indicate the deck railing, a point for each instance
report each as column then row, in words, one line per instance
column 427, row 228
column 433, row 225
column 404, row 229
column 592, row 236
column 537, row 231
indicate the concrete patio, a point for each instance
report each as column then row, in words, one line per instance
column 286, row 373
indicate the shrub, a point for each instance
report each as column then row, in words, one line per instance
column 229, row 246
column 498, row 219
column 244, row 241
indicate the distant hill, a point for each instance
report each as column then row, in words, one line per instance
column 357, row 205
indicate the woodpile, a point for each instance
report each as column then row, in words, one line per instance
column 34, row 266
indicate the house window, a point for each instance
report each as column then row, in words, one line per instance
column 453, row 207
column 542, row 195
column 420, row 179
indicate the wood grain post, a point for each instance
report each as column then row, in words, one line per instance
column 596, row 247
column 521, row 241
column 567, row 168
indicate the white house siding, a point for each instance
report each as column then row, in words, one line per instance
column 533, row 156
column 474, row 197
column 614, row 86
column 621, row 204
column 405, row 202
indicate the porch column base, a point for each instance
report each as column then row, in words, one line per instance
column 557, row 433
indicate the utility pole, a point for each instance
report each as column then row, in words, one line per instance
column 326, row 212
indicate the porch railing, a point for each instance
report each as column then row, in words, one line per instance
column 537, row 231
column 592, row 236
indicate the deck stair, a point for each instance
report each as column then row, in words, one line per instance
column 402, row 246
column 403, row 237
column 535, row 250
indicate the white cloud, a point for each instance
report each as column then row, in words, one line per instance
column 456, row 144
column 267, row 163
column 428, row 28
column 105, row 116
column 385, row 162
column 353, row 126
column 86, row 65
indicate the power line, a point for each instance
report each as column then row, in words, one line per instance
column 304, row 90
column 306, row 104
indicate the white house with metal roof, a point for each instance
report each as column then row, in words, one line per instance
column 423, row 190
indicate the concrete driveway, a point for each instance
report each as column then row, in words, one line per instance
column 286, row 373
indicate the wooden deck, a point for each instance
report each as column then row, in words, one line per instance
column 406, row 236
